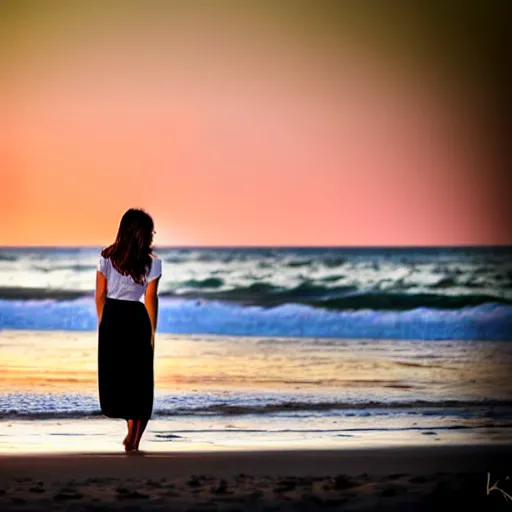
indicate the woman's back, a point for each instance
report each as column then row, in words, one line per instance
column 124, row 287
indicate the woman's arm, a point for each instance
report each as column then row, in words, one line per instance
column 101, row 294
column 151, row 302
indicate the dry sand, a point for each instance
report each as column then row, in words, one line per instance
column 409, row 478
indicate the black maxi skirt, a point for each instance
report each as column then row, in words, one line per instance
column 125, row 360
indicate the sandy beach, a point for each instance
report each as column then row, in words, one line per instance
column 408, row 478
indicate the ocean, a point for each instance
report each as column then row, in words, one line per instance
column 269, row 347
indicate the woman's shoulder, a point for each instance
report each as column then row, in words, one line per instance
column 156, row 262
column 156, row 267
column 154, row 256
column 104, row 259
column 103, row 264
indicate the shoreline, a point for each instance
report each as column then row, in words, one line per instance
column 315, row 462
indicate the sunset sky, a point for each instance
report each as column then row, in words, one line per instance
column 237, row 127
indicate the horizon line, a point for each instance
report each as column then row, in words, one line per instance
column 157, row 247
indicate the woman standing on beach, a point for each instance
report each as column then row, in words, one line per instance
column 127, row 271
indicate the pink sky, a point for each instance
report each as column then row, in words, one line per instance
column 233, row 140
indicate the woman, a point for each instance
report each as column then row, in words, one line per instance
column 127, row 271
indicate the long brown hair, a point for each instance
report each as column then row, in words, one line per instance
column 130, row 253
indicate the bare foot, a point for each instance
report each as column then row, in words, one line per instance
column 136, row 452
column 129, row 448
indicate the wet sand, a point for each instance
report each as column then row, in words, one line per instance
column 398, row 478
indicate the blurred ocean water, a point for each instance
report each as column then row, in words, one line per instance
column 399, row 293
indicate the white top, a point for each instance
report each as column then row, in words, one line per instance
column 124, row 287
